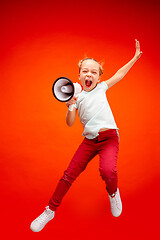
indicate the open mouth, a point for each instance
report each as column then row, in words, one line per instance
column 88, row 83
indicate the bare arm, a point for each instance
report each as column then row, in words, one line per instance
column 123, row 71
column 71, row 115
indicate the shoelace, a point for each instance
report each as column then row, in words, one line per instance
column 114, row 200
column 43, row 216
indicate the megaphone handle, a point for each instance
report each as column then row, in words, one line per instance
column 71, row 107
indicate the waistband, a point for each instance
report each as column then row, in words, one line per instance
column 105, row 134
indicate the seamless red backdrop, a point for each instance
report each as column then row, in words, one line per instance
column 41, row 41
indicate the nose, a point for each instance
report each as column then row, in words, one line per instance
column 88, row 73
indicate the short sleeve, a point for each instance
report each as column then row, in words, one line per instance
column 104, row 85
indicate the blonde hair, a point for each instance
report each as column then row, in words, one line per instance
column 100, row 64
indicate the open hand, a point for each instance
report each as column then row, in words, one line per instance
column 138, row 52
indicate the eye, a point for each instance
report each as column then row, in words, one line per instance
column 94, row 73
column 84, row 71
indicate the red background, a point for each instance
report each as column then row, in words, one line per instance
column 43, row 40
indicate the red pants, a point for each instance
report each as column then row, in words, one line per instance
column 107, row 146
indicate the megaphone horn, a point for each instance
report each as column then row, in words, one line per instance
column 63, row 89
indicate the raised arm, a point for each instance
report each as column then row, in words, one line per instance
column 123, row 71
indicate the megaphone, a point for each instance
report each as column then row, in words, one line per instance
column 64, row 89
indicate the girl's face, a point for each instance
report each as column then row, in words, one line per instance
column 89, row 74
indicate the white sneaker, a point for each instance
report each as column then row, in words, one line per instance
column 116, row 204
column 38, row 224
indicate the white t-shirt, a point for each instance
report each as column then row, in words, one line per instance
column 94, row 111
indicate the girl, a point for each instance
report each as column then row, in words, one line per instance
column 100, row 132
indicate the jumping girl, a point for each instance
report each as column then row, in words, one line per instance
column 100, row 136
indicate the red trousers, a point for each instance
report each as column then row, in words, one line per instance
column 106, row 145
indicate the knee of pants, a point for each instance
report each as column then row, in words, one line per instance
column 73, row 171
column 70, row 176
column 108, row 173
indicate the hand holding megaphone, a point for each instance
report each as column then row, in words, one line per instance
column 63, row 90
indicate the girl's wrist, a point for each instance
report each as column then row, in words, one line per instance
column 136, row 57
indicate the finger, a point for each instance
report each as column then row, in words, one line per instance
column 67, row 104
column 73, row 101
column 137, row 43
